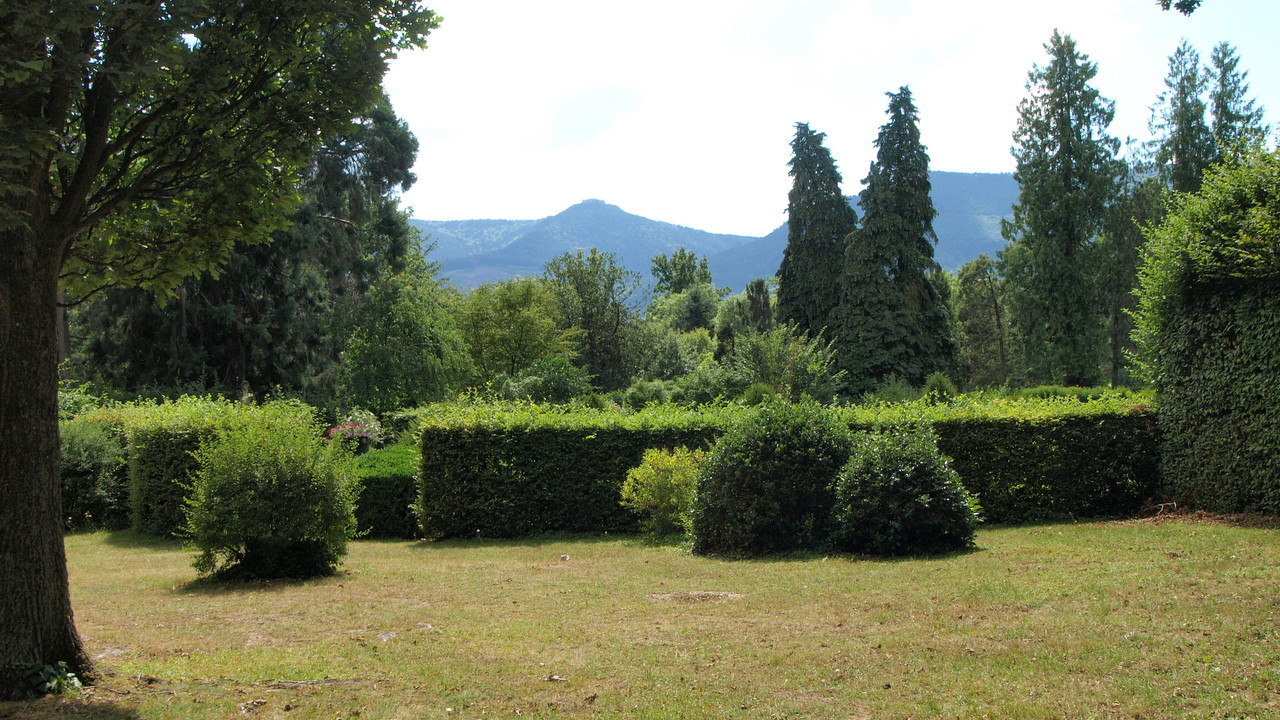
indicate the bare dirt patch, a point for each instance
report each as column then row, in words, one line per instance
column 694, row 596
column 1200, row 517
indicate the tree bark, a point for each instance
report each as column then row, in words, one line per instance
column 36, row 623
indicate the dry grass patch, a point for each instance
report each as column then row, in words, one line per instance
column 1146, row 619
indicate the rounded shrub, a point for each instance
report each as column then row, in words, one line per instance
column 766, row 485
column 661, row 489
column 270, row 498
column 898, row 495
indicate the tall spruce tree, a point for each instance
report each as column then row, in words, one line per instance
column 1182, row 146
column 819, row 218
column 1067, row 174
column 893, row 317
column 1236, row 122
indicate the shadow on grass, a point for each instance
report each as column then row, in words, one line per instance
column 136, row 540
column 55, row 707
column 677, row 542
column 534, row 541
column 214, row 585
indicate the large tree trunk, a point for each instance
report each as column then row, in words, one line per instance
column 36, row 625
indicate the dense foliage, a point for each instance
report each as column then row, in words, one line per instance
column 819, row 218
column 1208, row 337
column 270, row 498
column 898, row 495
column 893, row 317
column 276, row 316
column 766, row 486
column 661, row 489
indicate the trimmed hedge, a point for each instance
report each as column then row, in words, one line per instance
column 95, row 473
column 512, row 470
column 1046, row 459
column 1208, row 332
column 162, row 468
column 388, row 488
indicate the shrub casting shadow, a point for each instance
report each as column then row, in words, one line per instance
column 141, row 541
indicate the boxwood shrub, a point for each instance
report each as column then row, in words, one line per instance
column 898, row 495
column 766, row 487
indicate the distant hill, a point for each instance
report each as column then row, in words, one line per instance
column 473, row 252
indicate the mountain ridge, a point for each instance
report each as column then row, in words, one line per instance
column 473, row 252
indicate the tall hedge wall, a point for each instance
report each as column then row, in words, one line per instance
column 515, row 470
column 1208, row 329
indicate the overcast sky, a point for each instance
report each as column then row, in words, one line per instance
column 683, row 111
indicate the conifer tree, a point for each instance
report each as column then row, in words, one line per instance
column 1236, row 121
column 1183, row 146
column 819, row 218
column 893, row 316
column 1067, row 175
column 278, row 314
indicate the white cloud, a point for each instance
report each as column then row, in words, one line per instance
column 683, row 111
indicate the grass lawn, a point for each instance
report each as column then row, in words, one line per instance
column 1138, row 619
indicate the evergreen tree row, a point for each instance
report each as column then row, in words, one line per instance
column 1054, row 307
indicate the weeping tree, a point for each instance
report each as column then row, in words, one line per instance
column 139, row 142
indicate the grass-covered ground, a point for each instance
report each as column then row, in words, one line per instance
column 1139, row 619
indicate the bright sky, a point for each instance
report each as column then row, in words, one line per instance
column 683, row 110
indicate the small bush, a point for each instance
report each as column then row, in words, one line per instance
column 642, row 393
column 661, row 489
column 387, row 491
column 892, row 389
column 766, row 485
column 95, row 476
column 938, row 388
column 898, row 495
column 550, row 379
column 270, row 498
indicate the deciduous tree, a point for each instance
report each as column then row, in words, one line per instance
column 138, row 142
column 595, row 292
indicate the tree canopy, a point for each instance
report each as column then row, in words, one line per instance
column 139, row 142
